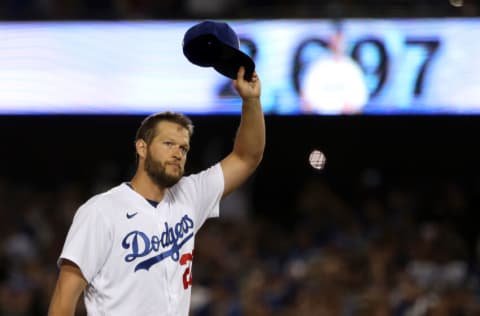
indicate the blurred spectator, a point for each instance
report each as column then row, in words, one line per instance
column 334, row 83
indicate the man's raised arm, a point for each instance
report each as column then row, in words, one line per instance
column 250, row 139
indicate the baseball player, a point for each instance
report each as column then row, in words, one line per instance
column 130, row 250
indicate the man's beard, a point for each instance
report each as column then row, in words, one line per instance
column 157, row 172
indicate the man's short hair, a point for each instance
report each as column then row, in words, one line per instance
column 147, row 129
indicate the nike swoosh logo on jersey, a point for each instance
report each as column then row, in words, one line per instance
column 131, row 215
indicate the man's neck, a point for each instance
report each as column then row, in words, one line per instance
column 144, row 186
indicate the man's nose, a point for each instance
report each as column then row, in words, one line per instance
column 177, row 153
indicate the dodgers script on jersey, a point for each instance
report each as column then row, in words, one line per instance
column 136, row 258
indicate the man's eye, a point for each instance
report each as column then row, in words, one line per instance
column 169, row 144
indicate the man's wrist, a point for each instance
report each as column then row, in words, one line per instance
column 251, row 101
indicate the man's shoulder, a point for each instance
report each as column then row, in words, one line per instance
column 208, row 172
column 189, row 182
column 105, row 198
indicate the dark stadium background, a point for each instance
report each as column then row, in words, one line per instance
column 51, row 150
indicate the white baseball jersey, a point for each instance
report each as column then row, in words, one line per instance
column 335, row 85
column 137, row 258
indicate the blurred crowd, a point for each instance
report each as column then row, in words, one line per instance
column 406, row 248
column 388, row 249
column 199, row 9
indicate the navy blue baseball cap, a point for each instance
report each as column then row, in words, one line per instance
column 215, row 44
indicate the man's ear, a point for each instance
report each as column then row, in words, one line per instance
column 141, row 147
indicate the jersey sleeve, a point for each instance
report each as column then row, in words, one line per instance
column 88, row 241
column 208, row 187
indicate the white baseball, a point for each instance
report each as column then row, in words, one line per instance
column 317, row 159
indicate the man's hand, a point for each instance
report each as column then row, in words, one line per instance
column 247, row 89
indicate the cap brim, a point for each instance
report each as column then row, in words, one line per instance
column 230, row 60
